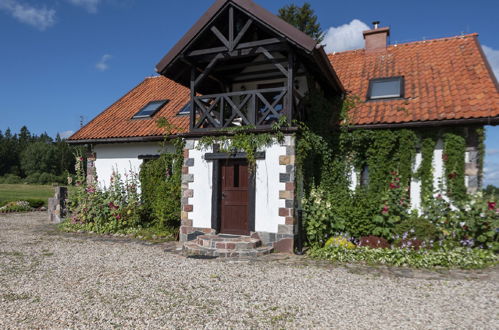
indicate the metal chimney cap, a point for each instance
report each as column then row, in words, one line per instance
column 376, row 24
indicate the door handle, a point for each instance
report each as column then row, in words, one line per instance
column 223, row 195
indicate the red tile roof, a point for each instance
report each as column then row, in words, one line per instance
column 445, row 79
column 116, row 121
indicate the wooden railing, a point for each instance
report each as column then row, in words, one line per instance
column 258, row 108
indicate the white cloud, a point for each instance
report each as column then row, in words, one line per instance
column 493, row 57
column 66, row 134
column 491, row 174
column 40, row 18
column 345, row 37
column 89, row 5
column 103, row 65
column 492, row 152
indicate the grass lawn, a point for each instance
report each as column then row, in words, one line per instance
column 11, row 192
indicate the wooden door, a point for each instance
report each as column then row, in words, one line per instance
column 234, row 197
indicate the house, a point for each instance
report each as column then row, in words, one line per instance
column 240, row 65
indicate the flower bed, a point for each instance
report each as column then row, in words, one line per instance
column 457, row 257
column 22, row 206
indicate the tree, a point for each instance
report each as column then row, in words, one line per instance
column 39, row 157
column 304, row 19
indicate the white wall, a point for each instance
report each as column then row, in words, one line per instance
column 202, row 186
column 416, row 184
column 268, row 185
column 438, row 166
column 122, row 157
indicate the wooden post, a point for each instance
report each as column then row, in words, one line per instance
column 231, row 29
column 290, row 95
column 193, row 94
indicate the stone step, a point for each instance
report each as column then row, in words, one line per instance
column 194, row 249
column 228, row 242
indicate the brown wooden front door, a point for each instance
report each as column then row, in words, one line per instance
column 234, row 197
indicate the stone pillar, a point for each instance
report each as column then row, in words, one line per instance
column 287, row 231
column 91, row 170
column 57, row 205
column 187, row 231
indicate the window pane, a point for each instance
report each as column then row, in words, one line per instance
column 186, row 109
column 385, row 88
column 150, row 109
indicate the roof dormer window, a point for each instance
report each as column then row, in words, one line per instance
column 386, row 88
column 150, row 109
column 185, row 110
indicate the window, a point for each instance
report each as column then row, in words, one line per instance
column 364, row 176
column 150, row 109
column 185, row 110
column 386, row 88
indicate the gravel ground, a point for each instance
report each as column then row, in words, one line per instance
column 53, row 280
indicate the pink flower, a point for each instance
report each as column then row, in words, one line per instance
column 112, row 206
column 385, row 210
column 118, row 216
column 492, row 205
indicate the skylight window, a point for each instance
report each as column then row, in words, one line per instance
column 386, row 88
column 185, row 110
column 150, row 109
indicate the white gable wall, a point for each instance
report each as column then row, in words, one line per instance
column 122, row 157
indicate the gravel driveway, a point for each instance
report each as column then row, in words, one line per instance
column 53, row 280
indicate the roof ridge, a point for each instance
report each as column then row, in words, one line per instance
column 469, row 35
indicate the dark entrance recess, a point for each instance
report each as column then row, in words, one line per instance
column 234, row 202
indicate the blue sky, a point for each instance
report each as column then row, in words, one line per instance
column 62, row 59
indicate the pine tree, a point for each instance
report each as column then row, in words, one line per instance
column 304, row 19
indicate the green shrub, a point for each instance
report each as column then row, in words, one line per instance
column 35, row 203
column 12, row 179
column 160, row 184
column 459, row 257
column 417, row 227
column 33, row 178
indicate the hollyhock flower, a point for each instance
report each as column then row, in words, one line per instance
column 385, row 209
column 112, row 206
column 492, row 205
column 393, row 185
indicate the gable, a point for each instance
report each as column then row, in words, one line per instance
column 237, row 28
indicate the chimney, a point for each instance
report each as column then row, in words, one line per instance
column 377, row 38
